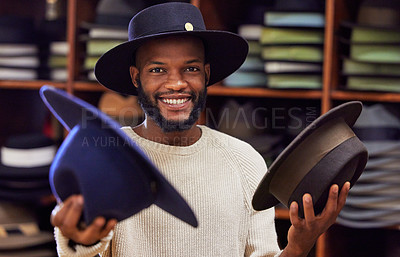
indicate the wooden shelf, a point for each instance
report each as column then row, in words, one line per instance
column 29, row 84
column 365, row 96
column 281, row 213
column 88, row 86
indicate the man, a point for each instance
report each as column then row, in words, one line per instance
column 169, row 62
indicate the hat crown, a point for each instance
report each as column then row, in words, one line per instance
column 377, row 115
column 163, row 18
column 28, row 141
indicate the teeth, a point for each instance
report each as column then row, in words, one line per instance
column 174, row 101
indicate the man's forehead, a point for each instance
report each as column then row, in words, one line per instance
column 174, row 40
column 171, row 44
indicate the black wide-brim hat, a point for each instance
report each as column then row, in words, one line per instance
column 225, row 51
column 326, row 152
column 98, row 160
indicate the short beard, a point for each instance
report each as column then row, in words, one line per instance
column 152, row 111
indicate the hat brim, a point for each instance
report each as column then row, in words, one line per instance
column 384, row 163
column 24, row 241
column 386, row 221
column 68, row 110
column 368, row 189
column 24, row 195
column 389, row 202
column 351, row 212
column 349, row 111
column 225, row 52
column 380, row 176
column 45, row 252
column 23, row 183
column 15, row 172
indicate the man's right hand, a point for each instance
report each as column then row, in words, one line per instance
column 66, row 217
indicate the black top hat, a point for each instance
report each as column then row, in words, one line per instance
column 225, row 51
column 15, row 29
column 326, row 152
column 27, row 156
column 299, row 6
column 99, row 161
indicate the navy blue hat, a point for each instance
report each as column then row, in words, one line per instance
column 326, row 152
column 225, row 51
column 99, row 161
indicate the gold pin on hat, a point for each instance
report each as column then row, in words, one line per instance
column 188, row 26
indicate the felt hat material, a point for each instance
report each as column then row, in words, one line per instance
column 374, row 200
column 24, row 167
column 299, row 6
column 326, row 152
column 371, row 43
column 99, row 161
column 225, row 51
column 26, row 156
column 19, row 228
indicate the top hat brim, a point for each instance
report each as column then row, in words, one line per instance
column 69, row 109
column 349, row 111
column 225, row 51
column 7, row 172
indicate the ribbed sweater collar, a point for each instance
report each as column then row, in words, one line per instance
column 176, row 150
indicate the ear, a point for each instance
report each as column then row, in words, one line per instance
column 134, row 71
column 207, row 71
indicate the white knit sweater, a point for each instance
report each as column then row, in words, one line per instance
column 217, row 176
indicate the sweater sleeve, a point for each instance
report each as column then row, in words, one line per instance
column 262, row 238
column 64, row 250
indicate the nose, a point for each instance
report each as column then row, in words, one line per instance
column 176, row 82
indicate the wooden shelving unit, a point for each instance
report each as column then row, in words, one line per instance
column 34, row 85
column 84, row 10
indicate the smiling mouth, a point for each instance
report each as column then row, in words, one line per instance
column 174, row 101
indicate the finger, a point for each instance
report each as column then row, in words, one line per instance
column 331, row 204
column 294, row 214
column 71, row 219
column 59, row 212
column 309, row 214
column 344, row 192
column 108, row 227
column 93, row 232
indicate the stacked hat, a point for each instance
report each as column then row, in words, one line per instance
column 251, row 73
column 53, row 44
column 55, row 49
column 19, row 58
column 246, row 121
column 24, row 168
column 108, row 30
column 374, row 201
column 292, row 44
column 21, row 234
column 371, row 47
column 124, row 109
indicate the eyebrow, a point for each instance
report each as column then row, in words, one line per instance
column 193, row 61
column 162, row 63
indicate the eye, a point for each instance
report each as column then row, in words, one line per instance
column 192, row 69
column 157, row 70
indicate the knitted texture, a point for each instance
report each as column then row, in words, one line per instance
column 217, row 176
